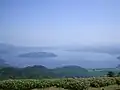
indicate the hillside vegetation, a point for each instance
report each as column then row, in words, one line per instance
column 38, row 71
column 65, row 83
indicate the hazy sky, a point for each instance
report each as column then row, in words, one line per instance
column 59, row 22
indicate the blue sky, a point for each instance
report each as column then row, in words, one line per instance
column 60, row 22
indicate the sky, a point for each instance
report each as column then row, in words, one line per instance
column 59, row 22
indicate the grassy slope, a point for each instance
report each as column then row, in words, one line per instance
column 70, row 71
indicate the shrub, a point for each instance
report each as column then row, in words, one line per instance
column 110, row 74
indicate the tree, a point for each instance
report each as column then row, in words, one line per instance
column 118, row 74
column 11, row 77
column 110, row 74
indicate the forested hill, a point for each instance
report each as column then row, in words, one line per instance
column 39, row 71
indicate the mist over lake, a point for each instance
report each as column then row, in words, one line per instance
column 64, row 57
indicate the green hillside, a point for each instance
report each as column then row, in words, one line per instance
column 70, row 71
column 39, row 71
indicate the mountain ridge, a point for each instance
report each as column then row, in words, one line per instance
column 38, row 71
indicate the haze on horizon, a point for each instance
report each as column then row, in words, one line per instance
column 59, row 22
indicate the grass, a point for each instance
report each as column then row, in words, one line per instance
column 111, row 87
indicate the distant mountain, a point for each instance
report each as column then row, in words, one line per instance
column 69, row 71
column 39, row 71
column 27, row 72
column 38, row 55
